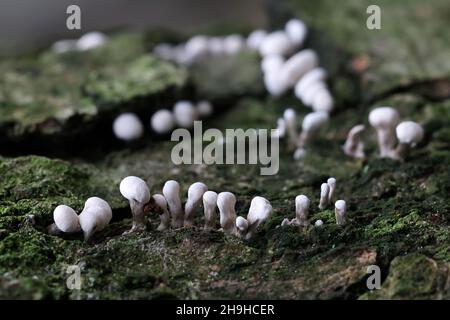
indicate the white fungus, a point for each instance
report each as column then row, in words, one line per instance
column 171, row 192
column 226, row 202
column 162, row 121
column 196, row 48
column 91, row 40
column 272, row 63
column 301, row 210
column 63, row 46
column 66, row 219
column 209, row 209
column 307, row 94
column 339, row 211
column 354, row 147
column 273, row 83
column 315, row 75
column 204, row 108
column 95, row 216
column 164, row 215
column 136, row 191
column 164, row 51
column 384, row 120
column 128, row 127
column 185, row 114
column 233, row 44
column 311, row 125
column 322, row 100
column 332, row 184
column 296, row 31
column 260, row 211
column 296, row 66
column 255, row 38
column 290, row 121
column 215, row 46
column 195, row 196
column 241, row 226
column 318, row 223
column 280, row 130
column 409, row 134
column 324, row 192
column 276, row 43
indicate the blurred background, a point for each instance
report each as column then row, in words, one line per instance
column 27, row 24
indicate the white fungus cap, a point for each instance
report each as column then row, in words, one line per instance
column 290, row 117
column 63, row 46
column 384, row 117
column 128, row 127
column 196, row 47
column 307, row 94
column 280, row 131
column 135, row 189
column 66, row 219
column 171, row 192
column 91, row 40
column 272, row 63
column 297, row 65
column 204, row 108
column 318, row 223
column 302, row 202
column 105, row 213
column 160, row 201
column 276, row 43
column 322, row 101
column 340, row 205
column 226, row 202
column 296, row 31
column 215, row 45
column 162, row 121
column 185, row 114
column 241, row 224
column 196, row 191
column 233, row 44
column 209, row 199
column 312, row 76
column 273, row 83
column 255, row 38
column 409, row 132
column 260, row 210
column 314, row 121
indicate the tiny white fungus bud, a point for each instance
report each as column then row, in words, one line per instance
column 95, row 216
column 384, row 120
column 209, row 208
column 233, row 44
column 162, row 121
column 273, row 83
column 128, row 127
column 318, row 223
column 215, row 46
column 324, row 192
column 332, row 184
column 311, row 125
column 354, row 147
column 322, row 101
column 91, row 40
column 296, row 31
column 339, row 211
column 272, row 63
column 312, row 76
column 185, row 114
column 195, row 196
column 276, row 43
column 409, row 133
column 226, row 202
column 307, row 94
column 259, row 212
column 290, row 120
column 241, row 225
column 63, row 46
column 136, row 191
column 171, row 192
column 66, row 219
column 204, row 108
column 255, row 38
column 301, row 210
column 298, row 65
column 196, row 48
